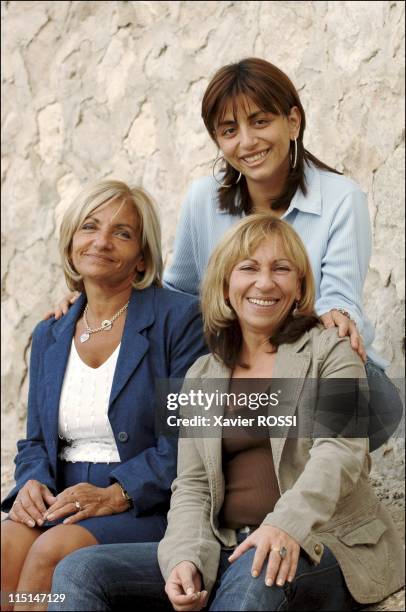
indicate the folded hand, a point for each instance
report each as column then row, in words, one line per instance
column 29, row 506
column 183, row 587
column 84, row 500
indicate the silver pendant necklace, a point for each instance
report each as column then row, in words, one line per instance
column 106, row 325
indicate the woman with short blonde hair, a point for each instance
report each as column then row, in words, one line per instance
column 92, row 468
column 93, row 196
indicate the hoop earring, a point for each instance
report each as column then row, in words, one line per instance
column 296, row 309
column 221, row 158
column 293, row 164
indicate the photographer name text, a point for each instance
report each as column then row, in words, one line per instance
column 238, row 421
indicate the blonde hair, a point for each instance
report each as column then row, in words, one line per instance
column 93, row 196
column 239, row 243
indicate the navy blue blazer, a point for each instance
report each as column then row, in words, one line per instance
column 162, row 338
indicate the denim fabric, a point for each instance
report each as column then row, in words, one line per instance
column 111, row 577
column 319, row 587
column 127, row 576
column 385, row 406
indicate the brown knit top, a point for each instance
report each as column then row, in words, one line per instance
column 251, row 486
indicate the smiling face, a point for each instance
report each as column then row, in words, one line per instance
column 256, row 143
column 106, row 247
column 263, row 288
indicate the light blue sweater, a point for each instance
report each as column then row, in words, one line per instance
column 332, row 220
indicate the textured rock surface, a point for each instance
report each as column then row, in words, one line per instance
column 113, row 89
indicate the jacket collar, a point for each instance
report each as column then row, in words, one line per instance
column 290, row 370
column 217, row 369
column 311, row 202
column 141, row 311
column 134, row 345
column 66, row 325
column 294, row 347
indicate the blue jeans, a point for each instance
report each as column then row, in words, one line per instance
column 385, row 406
column 127, row 576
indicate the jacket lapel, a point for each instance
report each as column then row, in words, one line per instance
column 55, row 360
column 134, row 345
column 291, row 365
column 217, row 379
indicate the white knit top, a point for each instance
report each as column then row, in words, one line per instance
column 83, row 420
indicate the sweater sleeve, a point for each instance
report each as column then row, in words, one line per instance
column 183, row 273
column 189, row 535
column 345, row 263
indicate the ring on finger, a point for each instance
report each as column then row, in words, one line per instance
column 283, row 552
column 77, row 506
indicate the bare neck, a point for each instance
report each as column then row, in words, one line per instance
column 255, row 347
column 262, row 192
column 103, row 301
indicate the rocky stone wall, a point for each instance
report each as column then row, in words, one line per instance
column 113, row 89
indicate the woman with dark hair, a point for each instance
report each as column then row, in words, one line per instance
column 254, row 115
column 258, row 522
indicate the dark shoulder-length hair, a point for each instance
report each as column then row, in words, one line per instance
column 221, row 326
column 272, row 91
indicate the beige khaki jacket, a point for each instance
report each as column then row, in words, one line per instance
column 326, row 499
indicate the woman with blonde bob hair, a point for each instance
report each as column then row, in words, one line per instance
column 149, row 229
column 92, row 468
column 277, row 521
